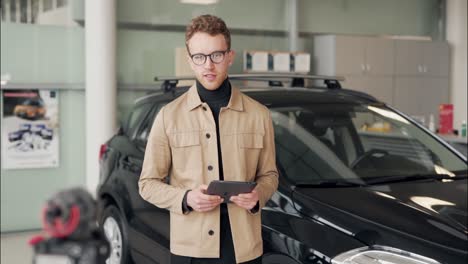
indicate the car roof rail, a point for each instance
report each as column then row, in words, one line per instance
column 273, row 79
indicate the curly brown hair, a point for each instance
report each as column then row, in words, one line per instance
column 210, row 24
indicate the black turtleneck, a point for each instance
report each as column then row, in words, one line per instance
column 216, row 99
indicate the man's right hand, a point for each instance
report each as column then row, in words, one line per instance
column 202, row 202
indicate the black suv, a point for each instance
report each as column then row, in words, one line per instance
column 360, row 182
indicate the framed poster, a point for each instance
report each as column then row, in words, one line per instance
column 30, row 128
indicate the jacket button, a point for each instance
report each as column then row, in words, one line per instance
column 211, row 232
column 210, row 167
column 208, row 135
column 204, row 108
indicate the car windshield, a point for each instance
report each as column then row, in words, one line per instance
column 354, row 142
column 34, row 102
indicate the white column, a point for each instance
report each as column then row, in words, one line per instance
column 18, row 11
column 456, row 36
column 7, row 12
column 29, row 11
column 40, row 10
column 293, row 29
column 100, row 48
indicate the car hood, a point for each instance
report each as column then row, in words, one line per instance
column 434, row 212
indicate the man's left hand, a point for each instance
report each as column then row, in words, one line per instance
column 246, row 200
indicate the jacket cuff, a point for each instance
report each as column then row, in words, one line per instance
column 256, row 208
column 185, row 207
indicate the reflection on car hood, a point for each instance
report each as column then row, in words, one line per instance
column 434, row 211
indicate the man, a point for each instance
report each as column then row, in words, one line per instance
column 212, row 132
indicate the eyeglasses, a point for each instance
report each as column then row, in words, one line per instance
column 215, row 57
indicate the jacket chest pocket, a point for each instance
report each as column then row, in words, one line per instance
column 250, row 147
column 251, row 141
column 186, row 150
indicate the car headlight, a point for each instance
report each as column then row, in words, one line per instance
column 381, row 255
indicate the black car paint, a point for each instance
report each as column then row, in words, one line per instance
column 365, row 209
column 308, row 224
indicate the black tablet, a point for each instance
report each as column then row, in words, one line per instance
column 226, row 189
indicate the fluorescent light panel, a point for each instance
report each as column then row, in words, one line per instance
column 199, row 2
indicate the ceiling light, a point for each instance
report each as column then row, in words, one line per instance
column 199, row 2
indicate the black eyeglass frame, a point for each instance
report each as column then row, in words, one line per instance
column 209, row 55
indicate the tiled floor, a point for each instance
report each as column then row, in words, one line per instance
column 15, row 248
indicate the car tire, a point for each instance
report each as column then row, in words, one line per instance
column 115, row 231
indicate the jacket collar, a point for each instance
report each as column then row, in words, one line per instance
column 194, row 101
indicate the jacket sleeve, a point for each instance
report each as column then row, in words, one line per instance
column 267, row 173
column 156, row 167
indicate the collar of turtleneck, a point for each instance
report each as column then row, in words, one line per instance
column 221, row 94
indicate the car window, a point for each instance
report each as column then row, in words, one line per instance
column 144, row 130
column 310, row 148
column 399, row 146
column 40, row 103
column 343, row 141
column 135, row 118
column 34, row 102
column 378, row 133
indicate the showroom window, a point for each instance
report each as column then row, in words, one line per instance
column 35, row 11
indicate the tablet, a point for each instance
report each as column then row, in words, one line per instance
column 226, row 189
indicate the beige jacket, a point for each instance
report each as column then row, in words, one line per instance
column 178, row 147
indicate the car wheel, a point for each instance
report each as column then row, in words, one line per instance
column 115, row 232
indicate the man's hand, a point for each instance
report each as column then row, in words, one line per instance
column 202, row 202
column 246, row 200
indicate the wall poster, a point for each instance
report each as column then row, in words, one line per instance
column 30, row 127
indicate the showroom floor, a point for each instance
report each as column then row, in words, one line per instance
column 15, row 248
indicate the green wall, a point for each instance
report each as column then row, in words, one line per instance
column 142, row 55
column 375, row 17
column 243, row 14
column 48, row 55
column 55, row 54
column 145, row 53
column 24, row 192
column 42, row 54
column 399, row 17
